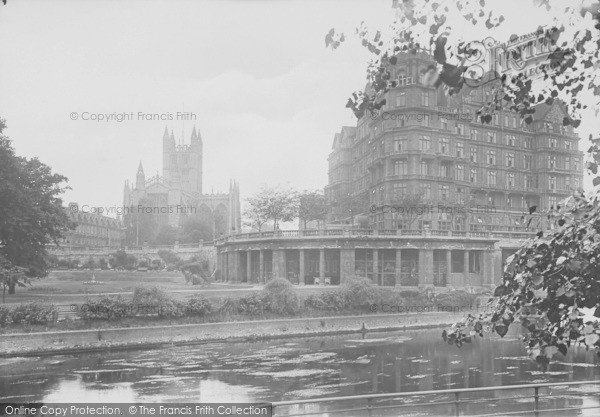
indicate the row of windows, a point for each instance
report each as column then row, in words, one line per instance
column 400, row 143
column 401, row 167
column 91, row 242
column 93, row 230
column 400, row 120
column 491, row 178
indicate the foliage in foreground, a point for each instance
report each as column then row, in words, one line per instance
column 572, row 39
column 31, row 214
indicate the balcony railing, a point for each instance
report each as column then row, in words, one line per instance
column 112, row 249
column 375, row 233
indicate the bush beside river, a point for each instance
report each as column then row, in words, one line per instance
column 153, row 306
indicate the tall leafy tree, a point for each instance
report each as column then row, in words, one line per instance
column 11, row 276
column 31, row 214
column 254, row 214
column 312, row 206
column 275, row 204
column 409, row 207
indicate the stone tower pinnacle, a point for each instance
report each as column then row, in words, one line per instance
column 140, row 178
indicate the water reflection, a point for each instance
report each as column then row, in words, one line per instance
column 287, row 369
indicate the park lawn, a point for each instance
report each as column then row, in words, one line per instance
column 65, row 288
column 73, row 282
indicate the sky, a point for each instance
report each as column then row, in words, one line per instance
column 268, row 96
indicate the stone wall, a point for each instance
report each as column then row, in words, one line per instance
column 88, row 340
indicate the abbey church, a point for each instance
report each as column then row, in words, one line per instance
column 178, row 192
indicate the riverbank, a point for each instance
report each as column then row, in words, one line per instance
column 42, row 343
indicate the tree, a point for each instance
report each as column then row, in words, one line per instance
column 167, row 235
column 312, row 206
column 254, row 214
column 409, row 208
column 141, row 223
column 11, row 276
column 573, row 44
column 348, row 205
column 276, row 204
column 196, row 228
column 31, row 212
column 120, row 259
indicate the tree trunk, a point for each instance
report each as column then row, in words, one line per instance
column 11, row 287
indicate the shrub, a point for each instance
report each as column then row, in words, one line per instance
column 90, row 263
column 455, row 298
column 411, row 294
column 251, row 304
column 34, row 313
column 130, row 262
column 4, row 316
column 64, row 264
column 198, row 306
column 149, row 295
column 335, row 300
column 102, row 264
column 312, row 302
column 106, row 308
column 360, row 292
column 151, row 300
column 405, row 297
column 169, row 257
column 172, row 308
column 280, row 297
column 229, row 306
column 397, row 298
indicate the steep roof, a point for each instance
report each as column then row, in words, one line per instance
column 552, row 111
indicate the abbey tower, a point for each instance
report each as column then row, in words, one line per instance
column 178, row 192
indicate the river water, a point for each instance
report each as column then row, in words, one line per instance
column 297, row 368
